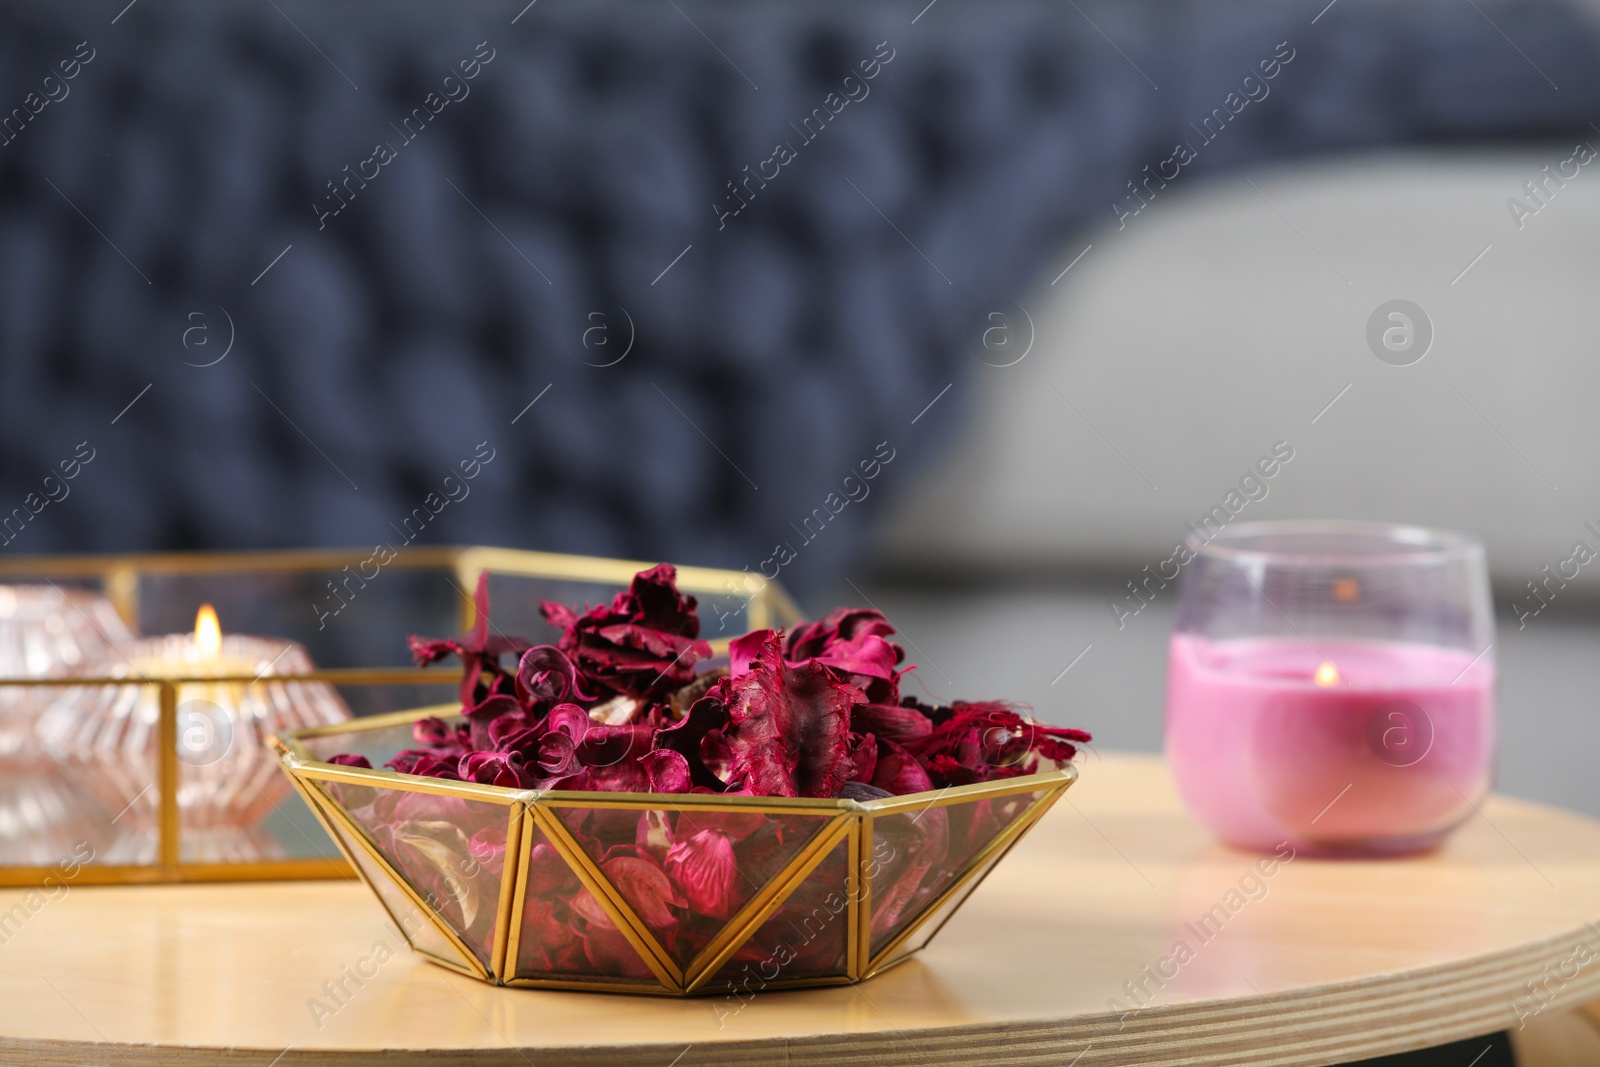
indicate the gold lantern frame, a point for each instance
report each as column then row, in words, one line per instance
column 531, row 813
column 119, row 578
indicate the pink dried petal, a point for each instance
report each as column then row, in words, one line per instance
column 488, row 848
column 607, row 746
column 570, row 719
column 545, row 937
column 646, row 888
column 548, row 872
column 495, row 768
column 668, row 771
column 704, row 868
column 746, row 650
column 854, row 642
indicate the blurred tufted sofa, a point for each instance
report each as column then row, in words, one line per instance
column 182, row 183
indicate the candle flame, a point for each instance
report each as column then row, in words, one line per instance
column 1327, row 675
column 208, row 632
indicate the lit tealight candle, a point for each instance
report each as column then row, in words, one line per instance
column 1327, row 675
column 208, row 633
column 228, row 783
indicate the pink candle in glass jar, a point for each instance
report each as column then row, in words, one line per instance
column 1332, row 685
column 1338, row 746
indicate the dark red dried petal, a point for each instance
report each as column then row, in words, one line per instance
column 790, row 727
column 899, row 772
column 920, row 845
column 899, row 724
column 548, row 872
column 708, row 714
column 426, row 763
column 610, row 954
column 480, row 716
column 626, row 776
column 864, row 757
column 947, row 771
column 481, row 672
column 546, row 936
column 434, row 732
column 989, row 740
column 643, row 644
column 546, row 676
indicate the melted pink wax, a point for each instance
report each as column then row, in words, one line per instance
column 1387, row 751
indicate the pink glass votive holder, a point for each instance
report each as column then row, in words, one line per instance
column 1332, row 685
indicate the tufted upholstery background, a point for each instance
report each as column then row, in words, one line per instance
column 457, row 286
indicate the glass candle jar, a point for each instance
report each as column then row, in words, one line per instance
column 228, row 781
column 1332, row 685
column 46, row 631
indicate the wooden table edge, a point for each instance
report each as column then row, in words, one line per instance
column 1415, row 1009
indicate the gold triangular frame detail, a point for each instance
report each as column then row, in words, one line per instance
column 606, row 895
column 315, row 800
column 744, row 924
column 354, row 833
column 976, row 869
column 739, row 928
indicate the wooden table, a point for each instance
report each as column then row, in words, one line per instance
column 1070, row 949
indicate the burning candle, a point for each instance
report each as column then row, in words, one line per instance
column 1332, row 686
column 1276, row 740
column 228, row 783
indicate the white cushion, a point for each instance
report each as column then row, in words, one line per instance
column 1226, row 316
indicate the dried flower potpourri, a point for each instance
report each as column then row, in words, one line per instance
column 618, row 705
column 661, row 893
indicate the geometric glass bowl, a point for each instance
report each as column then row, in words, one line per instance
column 668, row 894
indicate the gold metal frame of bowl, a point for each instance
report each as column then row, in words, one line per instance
column 528, row 811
